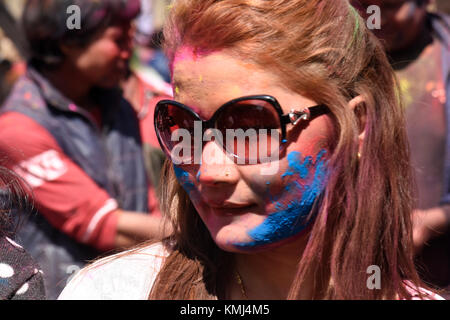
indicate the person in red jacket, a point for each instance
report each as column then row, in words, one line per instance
column 69, row 133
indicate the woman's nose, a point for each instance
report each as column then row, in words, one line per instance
column 216, row 167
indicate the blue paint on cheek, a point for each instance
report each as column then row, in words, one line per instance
column 297, row 167
column 290, row 219
column 183, row 178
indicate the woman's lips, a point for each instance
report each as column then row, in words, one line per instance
column 234, row 209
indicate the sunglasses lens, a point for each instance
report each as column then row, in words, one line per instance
column 175, row 128
column 251, row 130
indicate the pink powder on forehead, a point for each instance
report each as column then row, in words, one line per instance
column 184, row 53
column 181, row 54
column 189, row 53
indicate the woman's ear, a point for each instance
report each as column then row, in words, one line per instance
column 357, row 104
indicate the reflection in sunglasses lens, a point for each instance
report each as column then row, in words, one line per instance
column 249, row 131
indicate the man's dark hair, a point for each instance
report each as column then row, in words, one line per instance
column 45, row 25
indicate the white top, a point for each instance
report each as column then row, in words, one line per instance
column 124, row 276
column 130, row 275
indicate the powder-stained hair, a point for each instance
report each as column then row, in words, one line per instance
column 322, row 50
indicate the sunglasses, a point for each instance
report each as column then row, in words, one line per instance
column 250, row 129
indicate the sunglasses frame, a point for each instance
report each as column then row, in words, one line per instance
column 293, row 117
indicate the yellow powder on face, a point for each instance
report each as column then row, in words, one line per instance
column 177, row 90
column 405, row 88
column 236, row 91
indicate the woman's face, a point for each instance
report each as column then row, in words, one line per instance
column 103, row 62
column 247, row 208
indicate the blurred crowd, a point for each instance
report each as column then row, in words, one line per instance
column 106, row 182
column 92, row 171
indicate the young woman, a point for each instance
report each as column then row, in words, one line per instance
column 324, row 212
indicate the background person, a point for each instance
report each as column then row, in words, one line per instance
column 143, row 88
column 69, row 133
column 418, row 46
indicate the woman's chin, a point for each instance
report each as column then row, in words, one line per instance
column 240, row 242
column 243, row 243
column 228, row 236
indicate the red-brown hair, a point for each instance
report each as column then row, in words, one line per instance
column 322, row 50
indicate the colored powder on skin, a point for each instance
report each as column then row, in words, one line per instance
column 289, row 219
column 192, row 54
column 297, row 167
column 405, row 89
column 198, row 175
column 236, row 91
column 183, row 178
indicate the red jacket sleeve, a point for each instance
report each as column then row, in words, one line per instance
column 65, row 195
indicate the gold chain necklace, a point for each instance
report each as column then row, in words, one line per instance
column 241, row 285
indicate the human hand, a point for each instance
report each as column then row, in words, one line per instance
column 134, row 228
